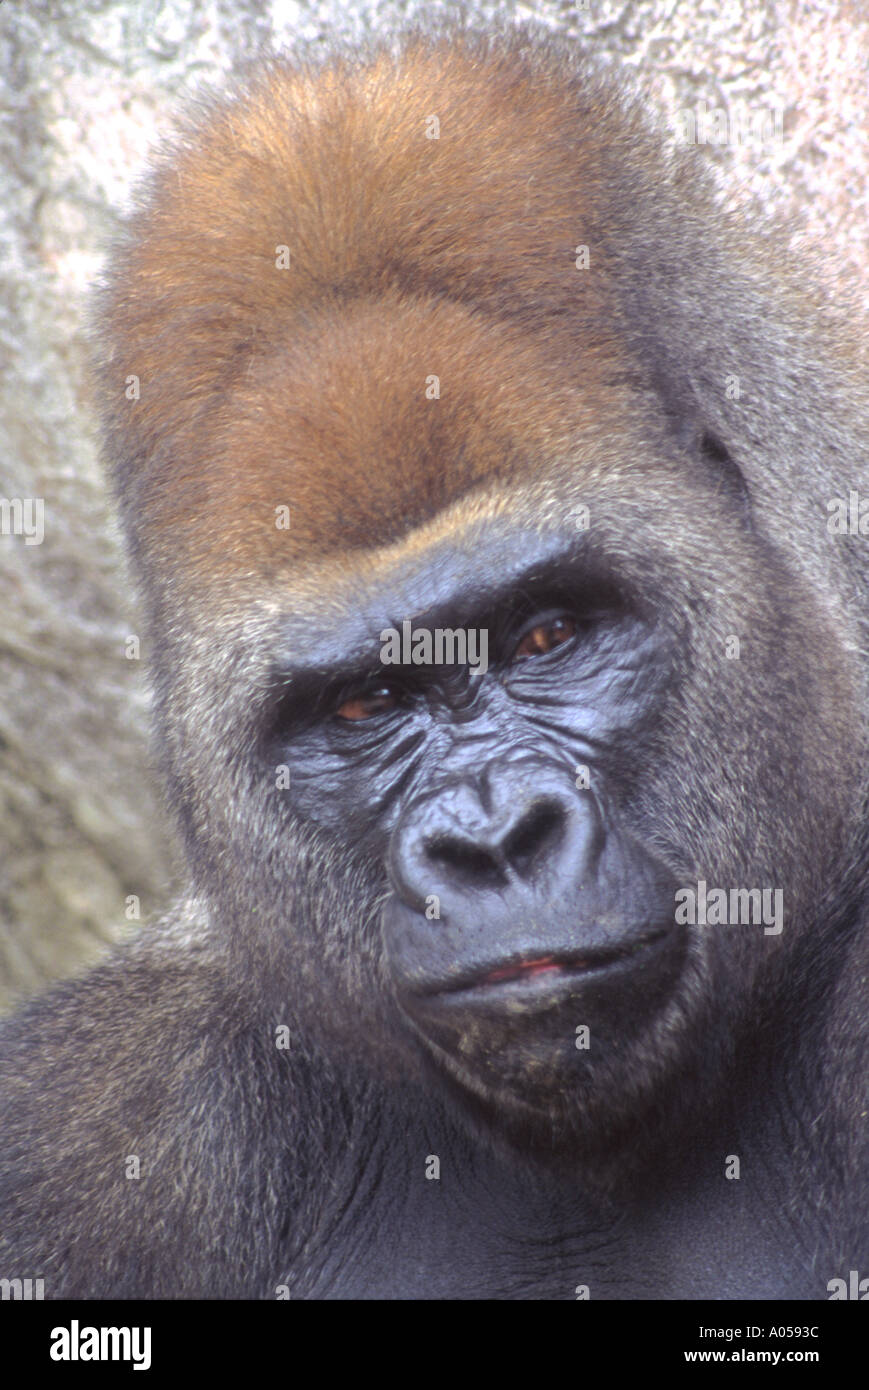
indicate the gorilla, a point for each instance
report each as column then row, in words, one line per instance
column 501, row 513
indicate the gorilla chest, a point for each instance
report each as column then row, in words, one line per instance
column 500, row 1238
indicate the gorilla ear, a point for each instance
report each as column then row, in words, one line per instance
column 718, row 465
column 686, row 418
column 724, row 469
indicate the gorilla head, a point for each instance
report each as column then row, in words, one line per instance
column 430, row 343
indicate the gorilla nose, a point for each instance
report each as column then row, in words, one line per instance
column 491, row 856
column 468, row 839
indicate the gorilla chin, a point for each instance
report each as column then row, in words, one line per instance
column 550, row 1050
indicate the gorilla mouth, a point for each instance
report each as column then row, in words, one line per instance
column 529, row 968
column 543, row 966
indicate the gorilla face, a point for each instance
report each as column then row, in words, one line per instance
column 520, row 905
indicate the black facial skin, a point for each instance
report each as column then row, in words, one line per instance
column 520, row 905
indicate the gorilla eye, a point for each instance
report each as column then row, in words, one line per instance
column 368, row 704
column 543, row 637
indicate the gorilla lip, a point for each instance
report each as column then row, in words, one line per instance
column 541, row 966
column 530, row 968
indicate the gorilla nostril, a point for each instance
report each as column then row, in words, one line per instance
column 537, row 833
column 522, row 849
column 469, row 863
